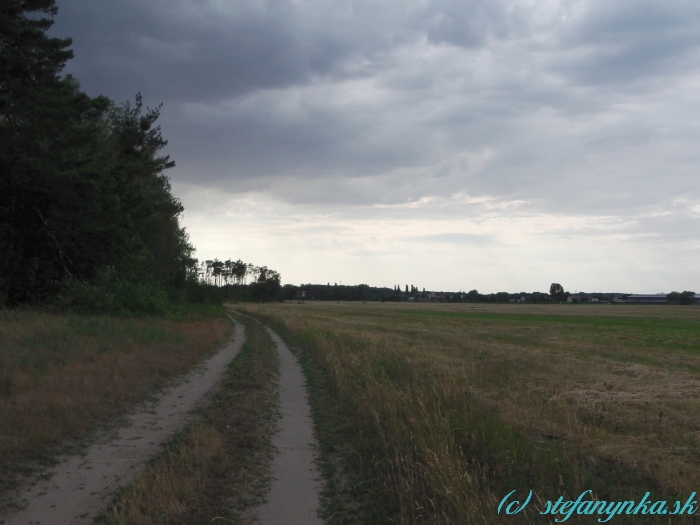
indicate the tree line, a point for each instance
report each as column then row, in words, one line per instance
column 231, row 280
column 364, row 292
column 85, row 206
column 229, row 272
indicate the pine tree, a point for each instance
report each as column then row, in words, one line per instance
column 47, row 132
column 82, row 187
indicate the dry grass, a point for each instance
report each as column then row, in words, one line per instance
column 165, row 491
column 446, row 408
column 60, row 376
column 216, row 469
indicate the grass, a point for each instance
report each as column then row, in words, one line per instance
column 62, row 376
column 432, row 413
column 216, row 469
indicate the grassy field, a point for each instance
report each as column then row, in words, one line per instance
column 432, row 413
column 63, row 376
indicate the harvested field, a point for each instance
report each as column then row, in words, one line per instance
column 434, row 412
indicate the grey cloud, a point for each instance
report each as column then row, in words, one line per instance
column 464, row 23
column 185, row 49
column 189, row 48
column 615, row 42
column 259, row 96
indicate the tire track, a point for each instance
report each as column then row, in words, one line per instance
column 81, row 486
column 294, row 496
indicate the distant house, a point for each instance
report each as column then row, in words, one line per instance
column 657, row 298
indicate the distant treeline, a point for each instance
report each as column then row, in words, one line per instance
column 231, row 280
column 685, row 297
column 87, row 217
column 363, row 292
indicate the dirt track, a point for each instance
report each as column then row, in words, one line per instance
column 82, row 485
column 293, row 497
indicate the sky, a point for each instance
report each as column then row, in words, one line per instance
column 498, row 145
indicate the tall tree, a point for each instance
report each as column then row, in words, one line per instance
column 49, row 137
column 81, row 180
column 556, row 291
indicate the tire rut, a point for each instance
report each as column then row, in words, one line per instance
column 294, row 495
column 80, row 486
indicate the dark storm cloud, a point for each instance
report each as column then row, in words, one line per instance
column 627, row 40
column 571, row 105
column 194, row 50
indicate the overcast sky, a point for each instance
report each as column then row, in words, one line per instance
column 489, row 144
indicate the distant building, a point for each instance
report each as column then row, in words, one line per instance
column 659, row 298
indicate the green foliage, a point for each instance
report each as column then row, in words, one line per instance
column 81, row 181
column 109, row 294
column 228, row 280
column 557, row 293
column 685, row 297
column 202, row 293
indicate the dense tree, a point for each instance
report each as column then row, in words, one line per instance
column 686, row 297
column 82, row 189
column 44, row 119
column 557, row 293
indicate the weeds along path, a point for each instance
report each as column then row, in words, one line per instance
column 81, row 486
column 294, row 496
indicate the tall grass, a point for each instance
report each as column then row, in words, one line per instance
column 438, row 417
column 61, row 376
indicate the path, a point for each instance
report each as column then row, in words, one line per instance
column 293, row 497
column 82, row 485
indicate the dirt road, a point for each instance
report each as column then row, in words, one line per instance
column 82, row 485
column 293, row 497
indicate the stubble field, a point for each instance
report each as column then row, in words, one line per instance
column 432, row 413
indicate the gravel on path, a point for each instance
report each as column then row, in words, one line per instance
column 293, row 498
column 81, row 485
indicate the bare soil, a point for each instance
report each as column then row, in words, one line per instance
column 294, row 496
column 80, row 486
